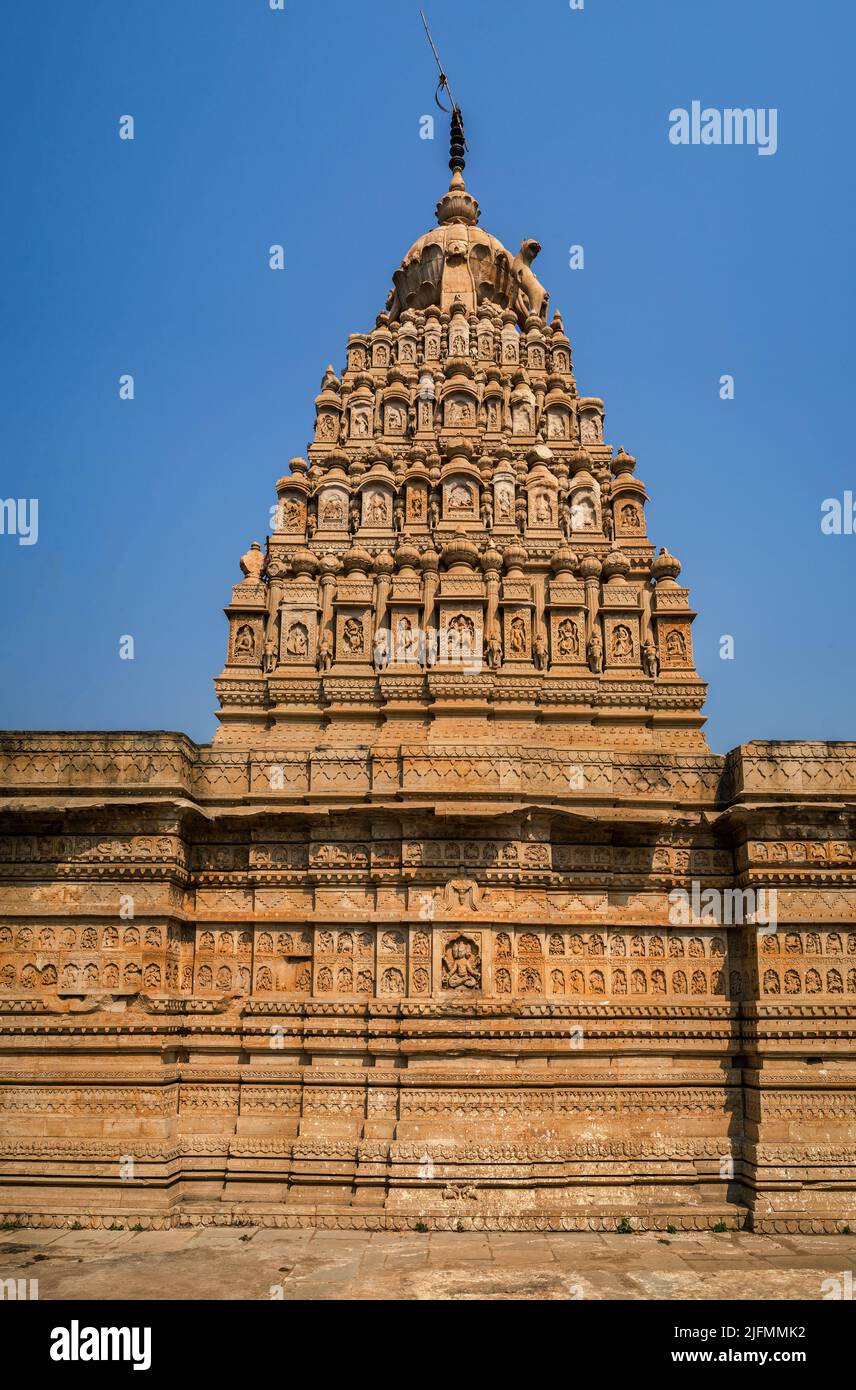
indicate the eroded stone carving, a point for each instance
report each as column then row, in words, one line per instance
column 461, row 964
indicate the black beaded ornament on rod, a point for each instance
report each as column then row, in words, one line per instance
column 457, row 141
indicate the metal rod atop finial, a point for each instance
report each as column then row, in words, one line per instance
column 457, row 142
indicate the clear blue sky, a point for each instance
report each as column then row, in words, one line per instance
column 301, row 127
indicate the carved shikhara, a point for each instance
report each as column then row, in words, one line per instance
column 396, row 948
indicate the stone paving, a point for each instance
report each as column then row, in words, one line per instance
column 241, row 1263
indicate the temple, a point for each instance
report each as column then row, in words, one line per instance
column 457, row 922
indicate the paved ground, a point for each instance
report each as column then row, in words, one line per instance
column 238, row 1263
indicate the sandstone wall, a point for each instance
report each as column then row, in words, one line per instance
column 401, row 988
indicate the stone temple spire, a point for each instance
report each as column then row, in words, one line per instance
column 461, row 531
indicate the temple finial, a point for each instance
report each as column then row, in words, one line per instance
column 457, row 143
column 457, row 139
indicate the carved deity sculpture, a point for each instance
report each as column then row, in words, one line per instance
column 332, row 512
column 505, row 504
column 460, row 497
column 378, row 510
column 382, row 653
column 543, row 509
column 539, row 651
column 622, row 642
column 594, row 652
column 650, row 660
column 292, row 515
column 676, row 645
column 461, row 637
column 325, row 651
column 245, row 641
column 406, row 643
column 517, row 637
column 297, row 641
column 353, row 637
column 459, row 413
column 461, row 967
column 569, row 638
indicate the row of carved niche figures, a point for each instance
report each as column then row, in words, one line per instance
column 347, row 972
column 461, row 970
column 489, row 336
column 506, row 505
column 88, row 938
column 518, row 961
column 459, row 641
column 673, row 943
column 461, row 967
column 302, row 942
column 639, row 981
column 89, row 976
column 520, row 414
